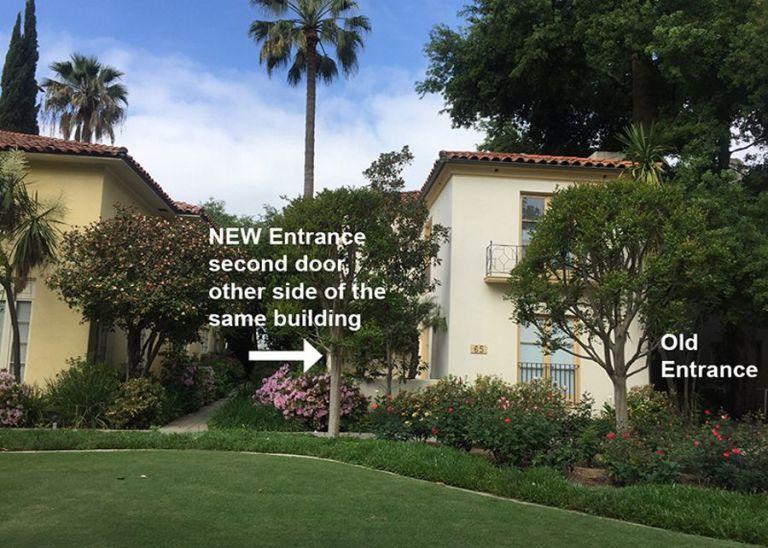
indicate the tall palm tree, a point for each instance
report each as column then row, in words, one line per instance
column 304, row 40
column 28, row 239
column 85, row 99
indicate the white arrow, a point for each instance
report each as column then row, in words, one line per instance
column 309, row 356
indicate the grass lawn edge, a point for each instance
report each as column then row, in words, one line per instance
column 729, row 516
column 378, row 470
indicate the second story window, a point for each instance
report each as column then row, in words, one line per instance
column 533, row 208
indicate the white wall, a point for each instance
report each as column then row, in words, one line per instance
column 484, row 205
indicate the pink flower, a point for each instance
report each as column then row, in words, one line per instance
column 611, row 435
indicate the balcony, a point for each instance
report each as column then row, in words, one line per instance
column 563, row 376
column 500, row 259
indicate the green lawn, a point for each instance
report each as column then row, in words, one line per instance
column 201, row 498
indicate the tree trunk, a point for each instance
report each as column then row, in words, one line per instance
column 10, row 299
column 309, row 135
column 334, row 409
column 644, row 82
column 134, row 350
column 620, row 402
column 389, row 370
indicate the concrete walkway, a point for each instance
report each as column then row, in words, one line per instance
column 197, row 421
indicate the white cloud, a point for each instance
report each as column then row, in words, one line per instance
column 239, row 136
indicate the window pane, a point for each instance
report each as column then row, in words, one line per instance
column 533, row 207
column 24, row 311
column 532, row 353
column 561, row 356
column 528, row 230
column 529, row 334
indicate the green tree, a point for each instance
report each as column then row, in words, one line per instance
column 18, row 102
column 86, row 99
column 566, row 77
column 411, row 249
column 143, row 275
column 395, row 256
column 304, row 41
column 28, row 239
column 606, row 259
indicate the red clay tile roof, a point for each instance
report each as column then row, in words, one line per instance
column 447, row 156
column 51, row 145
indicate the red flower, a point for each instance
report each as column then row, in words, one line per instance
column 660, row 452
column 707, row 412
column 625, row 434
column 390, row 409
column 611, row 435
column 726, row 453
column 507, row 420
column 696, row 443
column 389, row 397
column 450, row 409
column 374, row 406
column 435, row 431
column 736, row 451
column 717, row 434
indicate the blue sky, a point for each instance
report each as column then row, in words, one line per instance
column 204, row 118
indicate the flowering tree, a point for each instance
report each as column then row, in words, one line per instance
column 141, row 274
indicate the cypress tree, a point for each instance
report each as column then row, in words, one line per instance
column 18, row 102
column 12, row 56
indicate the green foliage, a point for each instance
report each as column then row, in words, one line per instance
column 631, row 459
column 138, row 404
column 80, row 395
column 323, row 24
column 138, row 272
column 189, row 384
column 693, row 510
column 86, row 99
column 18, row 102
column 727, row 453
column 605, row 256
column 522, row 424
column 28, row 237
column 565, row 77
column 241, row 412
column 228, row 371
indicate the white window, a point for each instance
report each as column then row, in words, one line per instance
column 24, row 315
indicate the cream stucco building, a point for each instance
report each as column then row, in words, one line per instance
column 88, row 180
column 491, row 202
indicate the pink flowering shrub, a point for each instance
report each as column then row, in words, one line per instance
column 306, row 397
column 12, row 396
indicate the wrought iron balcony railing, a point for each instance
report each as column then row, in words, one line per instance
column 561, row 375
column 500, row 259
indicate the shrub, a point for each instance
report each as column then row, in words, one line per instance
column 521, row 424
column 139, row 404
column 12, row 396
column 189, row 384
column 728, row 453
column 630, row 459
column 80, row 395
column 531, row 424
column 227, row 372
column 402, row 417
column 306, row 397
